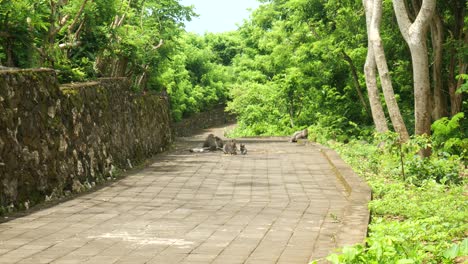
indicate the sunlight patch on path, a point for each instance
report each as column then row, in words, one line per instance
column 142, row 239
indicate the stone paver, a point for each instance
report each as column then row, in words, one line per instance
column 280, row 203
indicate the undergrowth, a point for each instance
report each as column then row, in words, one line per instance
column 419, row 206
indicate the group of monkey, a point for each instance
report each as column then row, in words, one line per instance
column 214, row 143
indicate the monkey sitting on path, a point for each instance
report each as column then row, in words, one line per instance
column 299, row 134
column 211, row 143
column 243, row 149
column 230, row 148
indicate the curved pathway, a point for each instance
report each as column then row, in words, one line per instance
column 280, row 203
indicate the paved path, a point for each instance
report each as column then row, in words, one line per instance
column 280, row 203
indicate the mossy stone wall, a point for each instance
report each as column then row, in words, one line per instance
column 60, row 139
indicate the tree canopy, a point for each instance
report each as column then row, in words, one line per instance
column 293, row 64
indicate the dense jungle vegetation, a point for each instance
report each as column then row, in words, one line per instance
column 383, row 82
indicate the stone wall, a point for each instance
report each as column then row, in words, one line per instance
column 56, row 140
column 195, row 123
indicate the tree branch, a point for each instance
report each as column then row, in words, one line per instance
column 78, row 14
column 161, row 42
column 376, row 19
column 77, row 32
column 118, row 22
column 402, row 18
column 424, row 16
column 348, row 59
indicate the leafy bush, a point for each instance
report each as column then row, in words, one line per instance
column 402, row 160
column 441, row 169
column 71, row 73
column 423, row 223
column 451, row 135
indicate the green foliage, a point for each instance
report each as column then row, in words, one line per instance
column 457, row 250
column 83, row 39
column 256, row 104
column 464, row 87
column 441, row 169
column 194, row 80
column 421, row 223
column 451, row 135
column 403, row 160
column 291, row 71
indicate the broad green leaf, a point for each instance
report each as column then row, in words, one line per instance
column 451, row 252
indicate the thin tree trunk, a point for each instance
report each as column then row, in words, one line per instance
column 457, row 98
column 291, row 110
column 370, row 67
column 47, row 49
column 356, row 80
column 8, row 42
column 381, row 61
column 142, row 79
column 456, row 33
column 440, row 100
column 9, row 54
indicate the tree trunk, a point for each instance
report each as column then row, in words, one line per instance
column 440, row 100
column 119, row 67
column 415, row 36
column 8, row 46
column 47, row 49
column 142, row 79
column 7, row 42
column 371, row 77
column 456, row 99
column 291, row 110
column 377, row 111
column 381, row 61
column 356, row 80
column 422, row 88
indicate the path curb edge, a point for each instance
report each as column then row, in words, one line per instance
column 356, row 215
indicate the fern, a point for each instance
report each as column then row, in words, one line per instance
column 450, row 135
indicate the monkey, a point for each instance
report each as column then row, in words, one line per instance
column 230, row 148
column 243, row 149
column 299, row 134
column 219, row 143
column 211, row 143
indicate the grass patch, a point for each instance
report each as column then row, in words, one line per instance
column 416, row 218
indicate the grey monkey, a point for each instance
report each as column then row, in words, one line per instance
column 219, row 143
column 230, row 148
column 211, row 143
column 243, row 149
column 299, row 134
